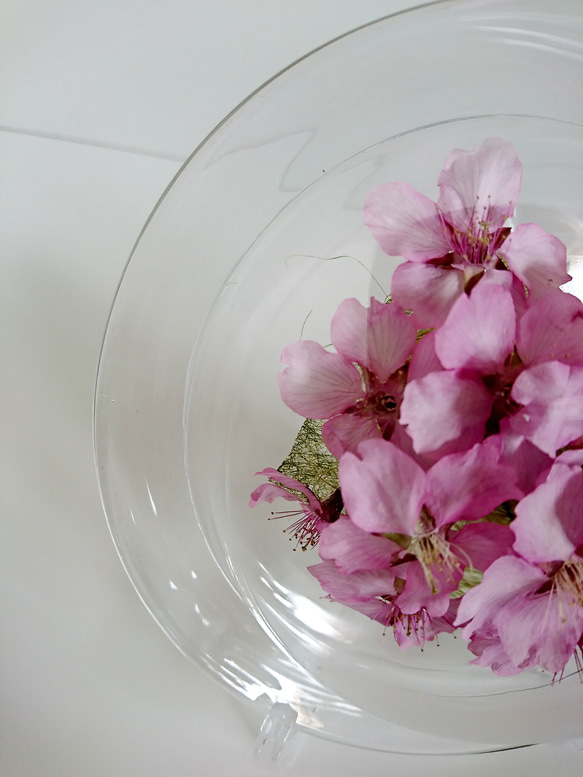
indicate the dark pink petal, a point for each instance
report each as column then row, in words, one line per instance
column 478, row 333
column 424, row 359
column 317, row 383
column 419, row 595
column 345, row 433
column 469, row 485
column 552, row 397
column 405, row 223
column 354, row 587
column 380, row 338
column 480, row 544
column 537, row 258
column 445, row 413
column 352, row 548
column 528, row 461
column 548, row 525
column 428, row 290
column 269, row 492
column 382, row 488
column 480, row 185
column 552, row 330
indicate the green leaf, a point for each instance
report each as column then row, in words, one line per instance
column 310, row 461
column 471, row 578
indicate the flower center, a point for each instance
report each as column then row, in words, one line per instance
column 569, row 579
column 434, row 552
column 479, row 242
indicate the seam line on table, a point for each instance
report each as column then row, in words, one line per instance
column 94, row 143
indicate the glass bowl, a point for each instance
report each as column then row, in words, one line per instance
column 254, row 244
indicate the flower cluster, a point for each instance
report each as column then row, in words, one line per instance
column 453, row 418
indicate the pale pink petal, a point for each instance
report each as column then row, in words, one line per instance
column 537, row 258
column 508, row 281
column 378, row 610
column 380, row 338
column 540, row 630
column 572, row 457
column 469, row 485
column 317, row 383
column 345, row 432
column 544, row 382
column 352, row 548
column 552, row 330
column 480, row 544
column 356, row 586
column 424, row 359
column 478, row 333
column 269, row 492
column 548, row 525
column 428, row 290
column 552, row 397
column 417, row 628
column 487, row 646
column 405, row 223
column 445, row 413
column 482, row 185
column 507, row 578
column 382, row 488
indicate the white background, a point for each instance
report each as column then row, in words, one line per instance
column 100, row 102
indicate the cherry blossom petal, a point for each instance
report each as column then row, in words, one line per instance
column 429, row 290
column 540, row 630
column 487, row 647
column 419, row 595
column 356, row 586
column 405, row 223
column 269, row 492
column 482, row 543
column 548, row 525
column 345, row 433
column 482, row 185
column 537, row 258
column 506, row 578
column 469, row 485
column 352, row 548
column 424, row 359
column 552, row 397
column 528, row 461
column 552, row 330
column 380, row 338
column 445, row 413
column 508, row 281
column 382, row 488
column 317, row 383
column 478, row 333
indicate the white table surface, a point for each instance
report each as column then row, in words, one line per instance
column 100, row 103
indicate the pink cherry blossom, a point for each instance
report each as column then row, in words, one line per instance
column 373, row 593
column 359, row 387
column 529, row 606
column 386, row 493
column 313, row 514
column 484, row 347
column 463, row 237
